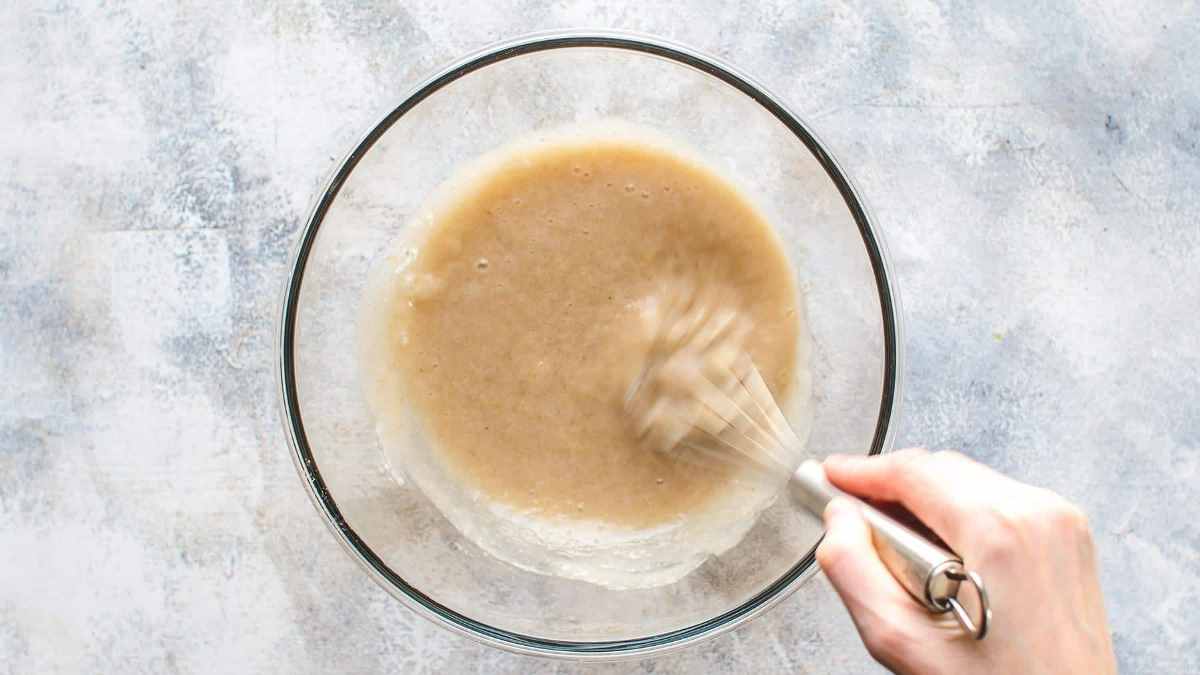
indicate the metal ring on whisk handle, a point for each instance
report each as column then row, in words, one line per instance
column 930, row 572
column 976, row 629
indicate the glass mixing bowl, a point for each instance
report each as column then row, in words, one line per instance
column 484, row 102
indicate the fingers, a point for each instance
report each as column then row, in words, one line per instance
column 935, row 487
column 884, row 614
column 849, row 559
column 875, row 476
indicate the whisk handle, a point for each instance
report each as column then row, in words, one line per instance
column 927, row 570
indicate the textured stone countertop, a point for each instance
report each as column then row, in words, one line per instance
column 1034, row 169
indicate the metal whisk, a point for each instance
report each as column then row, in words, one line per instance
column 702, row 393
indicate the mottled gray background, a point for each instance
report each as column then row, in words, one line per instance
column 1034, row 168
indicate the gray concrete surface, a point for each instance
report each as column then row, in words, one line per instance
column 1034, row 167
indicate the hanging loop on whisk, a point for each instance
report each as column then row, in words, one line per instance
column 975, row 628
column 930, row 572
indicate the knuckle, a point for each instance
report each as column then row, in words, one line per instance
column 1013, row 524
column 1067, row 518
column 886, row 642
column 939, row 462
column 912, row 468
column 908, row 454
column 1009, row 530
column 950, row 456
column 951, row 462
column 1003, row 534
column 831, row 554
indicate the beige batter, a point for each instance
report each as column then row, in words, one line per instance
column 517, row 329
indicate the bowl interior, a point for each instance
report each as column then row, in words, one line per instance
column 484, row 104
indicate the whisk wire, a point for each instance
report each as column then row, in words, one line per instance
column 761, row 396
column 750, row 423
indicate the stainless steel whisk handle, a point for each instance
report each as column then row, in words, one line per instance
column 929, row 572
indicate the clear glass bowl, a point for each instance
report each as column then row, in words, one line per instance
column 481, row 103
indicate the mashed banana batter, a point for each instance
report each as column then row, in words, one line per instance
column 516, row 328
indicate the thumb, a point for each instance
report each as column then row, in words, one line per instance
column 880, row 607
column 849, row 559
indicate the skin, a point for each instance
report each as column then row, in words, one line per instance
column 1033, row 549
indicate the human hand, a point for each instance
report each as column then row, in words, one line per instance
column 1031, row 547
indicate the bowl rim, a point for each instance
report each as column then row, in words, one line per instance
column 306, row 464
